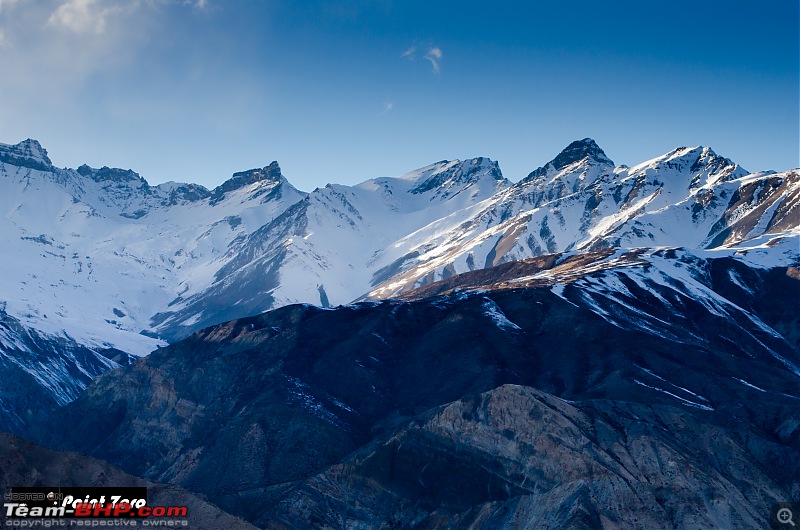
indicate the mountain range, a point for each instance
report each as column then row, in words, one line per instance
column 594, row 346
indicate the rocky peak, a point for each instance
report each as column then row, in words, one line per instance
column 701, row 164
column 28, row 153
column 717, row 167
column 270, row 173
column 182, row 192
column 111, row 175
column 460, row 173
column 575, row 152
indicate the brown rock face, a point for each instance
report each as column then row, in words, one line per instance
column 518, row 458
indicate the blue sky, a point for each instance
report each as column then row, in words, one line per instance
column 345, row 91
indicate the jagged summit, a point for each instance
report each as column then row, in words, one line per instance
column 269, row 178
column 574, row 152
column 457, row 172
column 578, row 150
column 106, row 173
column 270, row 173
column 28, row 153
column 701, row 164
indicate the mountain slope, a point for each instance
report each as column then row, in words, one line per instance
column 392, row 404
column 41, row 372
column 518, row 458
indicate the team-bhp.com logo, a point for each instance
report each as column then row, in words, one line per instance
column 72, row 503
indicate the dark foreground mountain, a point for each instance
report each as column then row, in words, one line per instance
column 25, row 464
column 646, row 389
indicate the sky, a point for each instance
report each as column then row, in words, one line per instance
column 195, row 90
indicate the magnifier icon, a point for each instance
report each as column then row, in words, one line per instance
column 785, row 516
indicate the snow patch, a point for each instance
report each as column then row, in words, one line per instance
column 686, row 401
column 493, row 311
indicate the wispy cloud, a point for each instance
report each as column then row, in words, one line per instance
column 54, row 46
column 434, row 56
column 84, row 16
column 388, row 106
column 94, row 16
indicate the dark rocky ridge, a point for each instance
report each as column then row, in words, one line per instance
column 269, row 174
column 106, row 173
column 398, row 413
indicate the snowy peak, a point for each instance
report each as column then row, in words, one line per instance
column 28, row 153
column 716, row 168
column 266, row 181
column 576, row 168
column 579, row 150
column 702, row 164
column 457, row 174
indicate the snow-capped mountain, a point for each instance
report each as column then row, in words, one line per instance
column 690, row 197
column 103, row 260
column 95, row 253
column 332, row 246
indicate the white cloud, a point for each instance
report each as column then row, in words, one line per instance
column 409, row 53
column 388, row 106
column 435, row 52
column 82, row 16
column 2, row 37
column 434, row 56
column 95, row 16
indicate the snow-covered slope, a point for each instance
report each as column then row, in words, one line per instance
column 331, row 247
column 110, row 261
